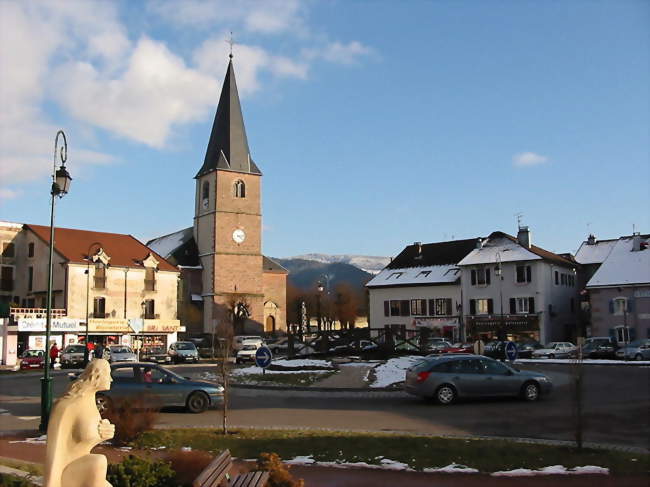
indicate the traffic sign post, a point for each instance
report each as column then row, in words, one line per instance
column 263, row 357
column 511, row 351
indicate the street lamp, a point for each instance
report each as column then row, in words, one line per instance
column 88, row 259
column 319, row 288
column 499, row 273
column 60, row 186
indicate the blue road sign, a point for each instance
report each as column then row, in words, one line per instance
column 263, row 357
column 511, row 351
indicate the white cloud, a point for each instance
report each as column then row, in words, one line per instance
column 525, row 159
column 7, row 194
column 337, row 52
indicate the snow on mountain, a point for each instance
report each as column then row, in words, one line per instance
column 368, row 263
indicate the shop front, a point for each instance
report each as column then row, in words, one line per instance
column 108, row 331
column 148, row 334
column 511, row 327
column 63, row 331
column 440, row 327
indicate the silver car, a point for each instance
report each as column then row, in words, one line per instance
column 637, row 350
column 555, row 350
column 73, row 355
column 119, row 353
column 446, row 378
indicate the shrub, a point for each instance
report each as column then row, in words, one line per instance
column 131, row 417
column 136, row 472
column 188, row 465
column 7, row 480
column 279, row 472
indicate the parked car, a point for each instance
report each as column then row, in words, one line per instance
column 637, row 350
column 438, row 346
column 555, row 350
column 596, row 350
column 119, row 353
column 73, row 355
column 158, row 387
column 238, row 341
column 247, row 352
column 448, row 377
column 525, row 349
column 155, row 354
column 32, row 359
column 460, row 348
column 183, row 352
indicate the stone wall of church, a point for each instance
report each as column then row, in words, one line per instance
column 275, row 291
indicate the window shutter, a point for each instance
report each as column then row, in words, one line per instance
column 612, row 335
column 490, row 307
column 632, row 332
column 531, row 305
column 557, row 278
column 449, row 310
column 529, row 273
column 513, row 306
column 386, row 308
column 473, row 277
column 405, row 305
column 487, row 275
column 432, row 307
column 472, row 307
column 611, row 306
column 630, row 305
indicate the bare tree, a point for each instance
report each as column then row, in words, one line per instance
column 578, row 394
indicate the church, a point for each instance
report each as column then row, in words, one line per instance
column 223, row 271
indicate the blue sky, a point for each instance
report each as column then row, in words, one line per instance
column 376, row 124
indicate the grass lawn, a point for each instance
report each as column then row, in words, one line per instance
column 418, row 452
column 297, row 379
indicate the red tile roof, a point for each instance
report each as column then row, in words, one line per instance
column 124, row 250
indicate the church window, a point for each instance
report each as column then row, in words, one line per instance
column 239, row 189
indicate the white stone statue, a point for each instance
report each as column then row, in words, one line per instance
column 75, row 428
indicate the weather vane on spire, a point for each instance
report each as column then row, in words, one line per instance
column 231, row 42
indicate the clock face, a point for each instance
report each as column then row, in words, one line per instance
column 239, row 235
column 205, row 204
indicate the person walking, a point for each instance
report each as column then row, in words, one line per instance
column 99, row 350
column 54, row 354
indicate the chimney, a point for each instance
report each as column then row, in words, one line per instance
column 418, row 249
column 524, row 237
column 636, row 242
column 479, row 243
column 591, row 240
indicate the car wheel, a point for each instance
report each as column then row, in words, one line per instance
column 638, row 356
column 445, row 394
column 551, row 355
column 530, row 391
column 197, row 402
column 103, row 403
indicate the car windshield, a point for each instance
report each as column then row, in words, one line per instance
column 155, row 350
column 121, row 350
column 250, row 347
column 185, row 346
column 33, row 353
column 74, row 349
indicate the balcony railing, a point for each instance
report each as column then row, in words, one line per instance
column 36, row 312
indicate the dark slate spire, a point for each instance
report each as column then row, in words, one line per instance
column 228, row 146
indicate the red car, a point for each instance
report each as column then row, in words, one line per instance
column 459, row 348
column 32, row 359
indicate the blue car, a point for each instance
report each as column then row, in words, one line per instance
column 157, row 386
column 637, row 350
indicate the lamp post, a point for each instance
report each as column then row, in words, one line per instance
column 60, row 186
column 319, row 288
column 326, row 288
column 499, row 273
column 88, row 258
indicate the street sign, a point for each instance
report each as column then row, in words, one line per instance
column 511, row 351
column 479, row 347
column 263, row 357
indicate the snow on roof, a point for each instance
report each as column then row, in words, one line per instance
column 623, row 266
column 508, row 251
column 166, row 245
column 595, row 253
column 437, row 274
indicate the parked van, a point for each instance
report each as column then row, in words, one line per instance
column 238, row 341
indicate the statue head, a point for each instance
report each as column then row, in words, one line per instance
column 95, row 377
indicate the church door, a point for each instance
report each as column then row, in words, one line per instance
column 270, row 324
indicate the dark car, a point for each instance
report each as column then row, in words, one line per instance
column 155, row 354
column 526, row 349
column 597, row 350
column 73, row 355
column 495, row 350
column 448, row 377
column 157, row 387
column 183, row 352
column 32, row 359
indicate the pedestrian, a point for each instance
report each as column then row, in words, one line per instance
column 91, row 347
column 99, row 350
column 54, row 353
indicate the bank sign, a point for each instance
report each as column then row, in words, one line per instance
column 56, row 324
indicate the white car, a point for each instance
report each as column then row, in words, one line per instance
column 248, row 350
column 238, row 341
column 555, row 350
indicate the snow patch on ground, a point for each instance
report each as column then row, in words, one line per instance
column 302, row 363
column 393, row 370
column 301, row 460
column 453, row 468
column 259, row 370
column 37, row 440
column 552, row 470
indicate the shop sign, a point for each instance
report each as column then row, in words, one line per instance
column 116, row 325
column 438, row 323
column 56, row 324
column 161, row 326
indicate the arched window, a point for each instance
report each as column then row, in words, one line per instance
column 206, row 190
column 239, row 189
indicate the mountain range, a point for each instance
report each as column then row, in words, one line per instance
column 367, row 263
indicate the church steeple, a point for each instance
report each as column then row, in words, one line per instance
column 228, row 145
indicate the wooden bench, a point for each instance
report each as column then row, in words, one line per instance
column 216, row 474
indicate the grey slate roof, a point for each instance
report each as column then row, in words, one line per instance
column 439, row 253
column 228, row 145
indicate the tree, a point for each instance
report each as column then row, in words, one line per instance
column 346, row 305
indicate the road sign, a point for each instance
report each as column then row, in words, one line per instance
column 263, row 357
column 511, row 351
column 479, row 347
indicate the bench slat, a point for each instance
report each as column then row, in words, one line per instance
column 214, row 473
column 251, row 479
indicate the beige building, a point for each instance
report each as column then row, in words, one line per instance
column 126, row 290
column 220, row 256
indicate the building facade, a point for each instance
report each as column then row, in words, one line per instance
column 515, row 290
column 220, row 257
column 127, row 291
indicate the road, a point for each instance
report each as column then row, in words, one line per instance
column 617, row 405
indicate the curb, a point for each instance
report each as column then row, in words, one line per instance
column 22, row 474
